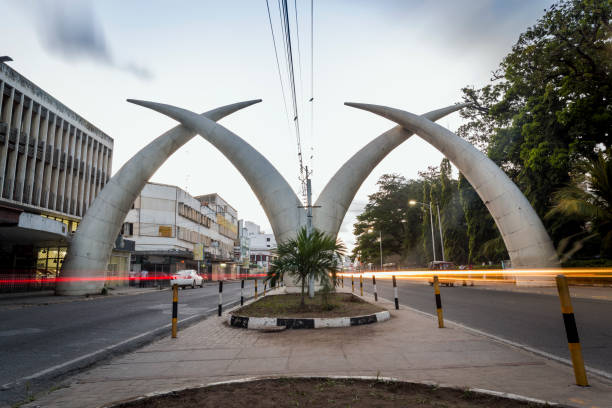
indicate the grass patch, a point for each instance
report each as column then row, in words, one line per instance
column 288, row 305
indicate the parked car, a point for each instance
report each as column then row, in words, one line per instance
column 187, row 277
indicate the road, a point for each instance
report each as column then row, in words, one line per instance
column 533, row 320
column 39, row 338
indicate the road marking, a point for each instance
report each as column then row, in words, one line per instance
column 102, row 350
column 521, row 346
column 16, row 332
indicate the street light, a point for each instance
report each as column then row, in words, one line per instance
column 380, row 242
column 433, row 240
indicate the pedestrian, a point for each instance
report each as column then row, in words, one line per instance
column 143, row 279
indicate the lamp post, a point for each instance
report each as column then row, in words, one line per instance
column 433, row 240
column 380, row 245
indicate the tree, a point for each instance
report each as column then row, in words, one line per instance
column 308, row 255
column 548, row 106
column 388, row 215
column 589, row 197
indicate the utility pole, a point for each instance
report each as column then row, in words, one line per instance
column 311, row 282
column 441, row 237
column 433, row 239
column 380, row 242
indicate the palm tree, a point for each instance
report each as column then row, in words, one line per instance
column 589, row 197
column 315, row 254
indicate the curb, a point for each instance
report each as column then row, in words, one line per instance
column 510, row 396
column 258, row 323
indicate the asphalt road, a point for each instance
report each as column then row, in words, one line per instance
column 39, row 338
column 533, row 320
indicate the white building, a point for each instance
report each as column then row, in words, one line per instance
column 53, row 164
column 167, row 223
column 262, row 246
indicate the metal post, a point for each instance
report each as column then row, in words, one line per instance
column 433, row 239
column 395, row 293
column 361, row 284
column 352, row 283
column 220, row 296
column 242, row 292
column 380, row 242
column 174, row 309
column 375, row 292
column 255, row 288
column 572, row 331
column 441, row 237
column 311, row 283
column 436, row 285
column 264, row 292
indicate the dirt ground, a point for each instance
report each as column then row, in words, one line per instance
column 323, row 392
column 341, row 305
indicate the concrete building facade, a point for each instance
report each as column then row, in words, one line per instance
column 167, row 223
column 53, row 163
column 261, row 247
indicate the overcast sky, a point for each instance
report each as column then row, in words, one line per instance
column 410, row 54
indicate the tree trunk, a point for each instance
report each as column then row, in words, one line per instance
column 302, row 304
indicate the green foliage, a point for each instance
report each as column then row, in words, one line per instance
column 546, row 112
column 547, row 108
column 589, row 197
column 388, row 214
column 315, row 254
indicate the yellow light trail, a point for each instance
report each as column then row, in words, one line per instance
column 488, row 275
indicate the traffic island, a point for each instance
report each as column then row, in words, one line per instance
column 329, row 392
column 286, row 310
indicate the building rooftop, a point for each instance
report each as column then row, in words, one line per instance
column 49, row 100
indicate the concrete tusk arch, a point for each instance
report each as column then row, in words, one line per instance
column 275, row 195
column 524, row 235
column 85, row 265
column 335, row 199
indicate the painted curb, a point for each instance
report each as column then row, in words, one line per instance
column 510, row 396
column 258, row 323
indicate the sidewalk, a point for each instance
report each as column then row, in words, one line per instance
column 409, row 347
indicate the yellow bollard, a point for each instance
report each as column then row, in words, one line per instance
column 361, row 284
column 255, row 288
column 572, row 331
column 174, row 309
column 438, row 302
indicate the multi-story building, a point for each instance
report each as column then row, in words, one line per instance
column 242, row 250
column 262, row 247
column 53, row 164
column 167, row 223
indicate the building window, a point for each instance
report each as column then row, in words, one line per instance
column 49, row 262
column 268, row 240
column 127, row 229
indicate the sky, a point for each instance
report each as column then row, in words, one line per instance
column 414, row 55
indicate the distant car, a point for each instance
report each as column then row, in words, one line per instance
column 187, row 277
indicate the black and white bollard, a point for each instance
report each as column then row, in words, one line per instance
column 395, row 293
column 174, row 310
column 375, row 291
column 220, row 296
column 242, row 292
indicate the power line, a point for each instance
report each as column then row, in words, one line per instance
column 280, row 76
column 311, row 100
